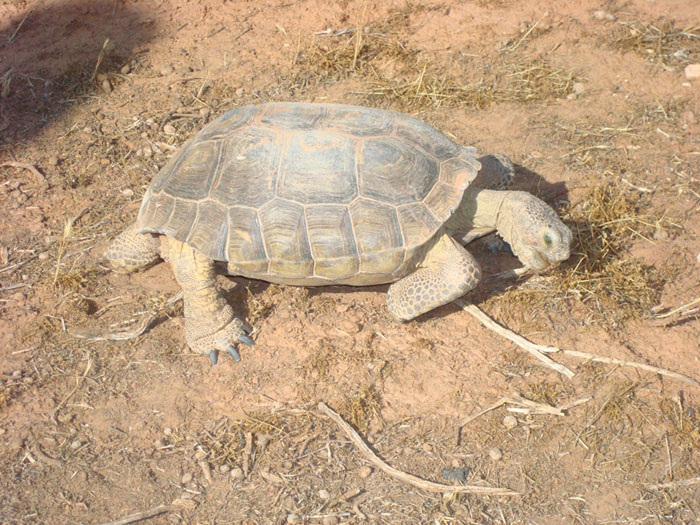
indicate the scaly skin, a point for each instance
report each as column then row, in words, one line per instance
column 132, row 252
column 447, row 272
column 210, row 325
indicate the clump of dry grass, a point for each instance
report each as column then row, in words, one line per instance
column 661, row 42
column 601, row 273
column 512, row 79
column 361, row 408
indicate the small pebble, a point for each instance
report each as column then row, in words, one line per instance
column 224, row 468
column 571, row 96
column 495, row 454
column 427, row 447
column 147, row 152
column 293, row 518
column 125, row 69
column 167, row 70
column 288, row 465
column 692, row 71
column 324, row 494
column 204, row 111
column 159, row 443
column 599, row 14
column 330, row 520
column 43, row 256
column 106, row 86
column 53, row 160
column 364, row 472
column 169, row 129
column 579, row 88
column 510, row 422
column 16, row 374
column 186, row 478
column 455, row 474
column 239, row 92
column 237, row 474
column 698, row 258
column 167, row 430
column 75, row 445
column 200, row 455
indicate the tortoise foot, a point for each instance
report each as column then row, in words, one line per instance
column 222, row 340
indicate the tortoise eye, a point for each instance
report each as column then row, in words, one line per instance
column 548, row 240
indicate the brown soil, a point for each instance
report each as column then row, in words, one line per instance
column 591, row 102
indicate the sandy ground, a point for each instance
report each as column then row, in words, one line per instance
column 592, row 103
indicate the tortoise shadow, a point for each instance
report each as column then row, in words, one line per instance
column 55, row 56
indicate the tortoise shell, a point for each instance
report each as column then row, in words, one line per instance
column 310, row 193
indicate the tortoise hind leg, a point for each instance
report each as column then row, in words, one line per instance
column 210, row 325
column 448, row 272
column 132, row 251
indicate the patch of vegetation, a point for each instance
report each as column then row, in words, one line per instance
column 660, row 42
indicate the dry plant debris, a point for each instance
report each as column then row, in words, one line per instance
column 661, row 41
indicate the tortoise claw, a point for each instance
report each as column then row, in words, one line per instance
column 213, row 357
column 234, row 353
column 245, row 340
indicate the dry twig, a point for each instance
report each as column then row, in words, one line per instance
column 537, row 350
column 25, row 165
column 96, row 334
column 403, row 476
column 178, row 504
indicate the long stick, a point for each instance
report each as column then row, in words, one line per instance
column 403, row 476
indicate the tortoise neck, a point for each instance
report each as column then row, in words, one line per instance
column 480, row 209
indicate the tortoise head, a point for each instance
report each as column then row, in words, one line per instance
column 534, row 231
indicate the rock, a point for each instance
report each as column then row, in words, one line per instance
column 204, row 111
column 43, row 256
column 167, row 70
column 224, row 468
column 106, row 86
column 237, row 474
column 579, row 88
column 692, row 71
column 293, row 518
column 186, row 478
column 167, row 430
column 239, row 92
column 510, row 422
column 571, row 96
column 330, row 520
column 169, row 129
column 599, row 14
column 75, row 445
column 324, row 494
column 126, row 68
column 495, row 454
column 427, row 447
column 364, row 472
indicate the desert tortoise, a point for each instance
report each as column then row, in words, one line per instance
column 321, row 194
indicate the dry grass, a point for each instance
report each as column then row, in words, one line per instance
column 661, row 41
column 511, row 79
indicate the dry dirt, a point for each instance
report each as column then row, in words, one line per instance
column 588, row 98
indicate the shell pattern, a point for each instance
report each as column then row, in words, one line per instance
column 310, row 193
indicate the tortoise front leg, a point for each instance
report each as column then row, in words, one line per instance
column 210, row 325
column 447, row 272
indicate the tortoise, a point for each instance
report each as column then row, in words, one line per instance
column 328, row 194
